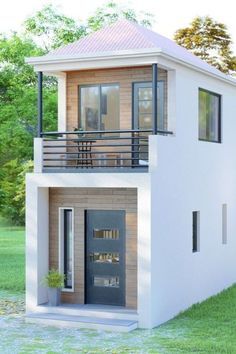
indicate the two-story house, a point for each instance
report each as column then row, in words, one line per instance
column 134, row 197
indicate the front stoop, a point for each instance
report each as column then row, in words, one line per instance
column 72, row 321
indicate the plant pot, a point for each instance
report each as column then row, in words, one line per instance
column 54, row 296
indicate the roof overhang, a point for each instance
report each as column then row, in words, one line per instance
column 125, row 58
column 94, row 60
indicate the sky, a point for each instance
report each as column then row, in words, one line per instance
column 169, row 15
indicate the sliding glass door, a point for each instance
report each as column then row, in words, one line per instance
column 99, row 107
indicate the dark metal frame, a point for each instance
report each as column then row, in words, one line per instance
column 219, row 141
column 195, row 232
column 154, row 96
column 65, row 237
column 108, row 139
column 40, row 103
column 133, row 100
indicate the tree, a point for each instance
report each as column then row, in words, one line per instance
column 209, row 40
column 111, row 12
column 12, row 190
column 53, row 28
column 18, row 99
column 46, row 30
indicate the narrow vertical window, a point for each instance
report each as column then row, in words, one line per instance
column 224, row 224
column 66, row 246
column 196, row 231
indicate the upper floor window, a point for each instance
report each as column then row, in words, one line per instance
column 99, row 107
column 209, row 116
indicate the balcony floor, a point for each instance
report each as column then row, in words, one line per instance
column 143, row 169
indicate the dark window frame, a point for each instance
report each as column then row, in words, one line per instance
column 196, row 231
column 219, row 140
column 99, row 86
column 65, row 238
column 135, row 125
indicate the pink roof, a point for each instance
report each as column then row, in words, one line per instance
column 126, row 35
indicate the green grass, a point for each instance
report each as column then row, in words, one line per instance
column 206, row 328
column 12, row 257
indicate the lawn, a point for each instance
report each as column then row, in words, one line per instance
column 12, row 257
column 209, row 327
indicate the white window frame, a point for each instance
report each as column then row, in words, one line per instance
column 61, row 244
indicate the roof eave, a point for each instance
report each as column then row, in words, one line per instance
column 123, row 58
column 217, row 74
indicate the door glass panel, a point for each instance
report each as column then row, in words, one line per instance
column 104, row 257
column 110, row 107
column 112, row 234
column 145, row 107
column 145, row 121
column 106, row 281
column 90, row 108
column 145, row 93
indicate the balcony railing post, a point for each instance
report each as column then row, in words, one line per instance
column 154, row 96
column 40, row 103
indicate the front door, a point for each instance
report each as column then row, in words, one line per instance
column 105, row 257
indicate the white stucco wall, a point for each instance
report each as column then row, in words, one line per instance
column 185, row 175
column 193, row 175
column 37, row 230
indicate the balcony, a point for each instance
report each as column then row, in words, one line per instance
column 94, row 151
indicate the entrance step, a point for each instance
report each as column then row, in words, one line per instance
column 69, row 321
column 98, row 311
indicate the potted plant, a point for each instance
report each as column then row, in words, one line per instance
column 54, row 281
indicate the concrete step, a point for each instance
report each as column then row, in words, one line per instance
column 98, row 311
column 68, row 321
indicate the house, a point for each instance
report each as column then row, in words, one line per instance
column 134, row 197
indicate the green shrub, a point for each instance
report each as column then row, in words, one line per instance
column 53, row 279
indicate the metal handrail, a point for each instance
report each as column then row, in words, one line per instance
column 94, row 149
column 87, row 132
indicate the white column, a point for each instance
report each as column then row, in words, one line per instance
column 38, row 155
column 37, row 240
column 61, row 102
column 144, row 257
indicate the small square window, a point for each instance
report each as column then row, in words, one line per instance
column 209, row 116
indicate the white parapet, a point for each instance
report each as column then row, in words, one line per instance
column 38, row 155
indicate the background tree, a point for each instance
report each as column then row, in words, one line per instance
column 209, row 40
column 53, row 29
column 112, row 11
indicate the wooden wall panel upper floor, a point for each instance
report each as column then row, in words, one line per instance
column 122, row 76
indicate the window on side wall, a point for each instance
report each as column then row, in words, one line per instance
column 66, row 246
column 196, row 231
column 209, row 116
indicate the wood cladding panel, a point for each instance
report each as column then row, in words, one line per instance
column 123, row 76
column 101, row 199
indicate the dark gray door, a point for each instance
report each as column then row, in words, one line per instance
column 105, row 257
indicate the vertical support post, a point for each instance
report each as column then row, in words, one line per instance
column 40, row 103
column 154, row 96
